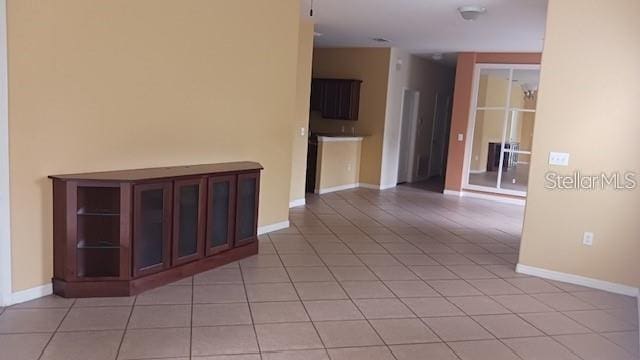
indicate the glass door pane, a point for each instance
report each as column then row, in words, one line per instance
column 188, row 221
column 493, row 87
column 152, row 226
column 487, row 144
column 188, row 236
column 519, row 134
column 515, row 175
column 247, row 203
column 525, row 89
column 220, row 214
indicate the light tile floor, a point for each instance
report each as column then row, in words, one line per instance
column 401, row 274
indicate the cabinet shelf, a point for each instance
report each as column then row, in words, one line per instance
column 97, row 245
column 97, row 213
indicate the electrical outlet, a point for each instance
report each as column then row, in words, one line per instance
column 302, row 131
column 342, row 128
column 349, row 167
column 460, row 137
column 587, row 239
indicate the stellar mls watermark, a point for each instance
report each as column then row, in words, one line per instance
column 619, row 180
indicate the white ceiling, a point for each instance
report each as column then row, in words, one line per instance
column 430, row 26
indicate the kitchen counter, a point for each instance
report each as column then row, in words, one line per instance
column 333, row 162
column 327, row 137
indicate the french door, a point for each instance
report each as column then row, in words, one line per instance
column 501, row 128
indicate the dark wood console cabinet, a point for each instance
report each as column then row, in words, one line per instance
column 119, row 233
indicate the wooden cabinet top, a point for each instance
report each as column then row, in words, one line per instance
column 162, row 172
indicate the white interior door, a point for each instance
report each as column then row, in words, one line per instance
column 410, row 100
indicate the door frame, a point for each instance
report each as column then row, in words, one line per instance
column 472, row 122
column 412, row 134
column 5, row 201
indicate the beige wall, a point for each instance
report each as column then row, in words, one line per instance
column 338, row 163
column 587, row 106
column 371, row 65
column 301, row 120
column 102, row 85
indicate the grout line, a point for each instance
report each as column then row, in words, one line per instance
column 392, row 255
column 246, row 296
column 126, row 327
column 298, row 294
column 191, row 318
column 56, row 330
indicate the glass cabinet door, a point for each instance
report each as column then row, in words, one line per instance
column 220, row 217
column 151, row 228
column 188, row 220
column 247, row 208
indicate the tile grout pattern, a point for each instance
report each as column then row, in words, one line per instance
column 361, row 274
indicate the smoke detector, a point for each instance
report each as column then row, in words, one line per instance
column 471, row 13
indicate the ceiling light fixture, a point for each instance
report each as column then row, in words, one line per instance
column 471, row 13
column 380, row 40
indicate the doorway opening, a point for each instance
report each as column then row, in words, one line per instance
column 409, row 123
column 424, row 140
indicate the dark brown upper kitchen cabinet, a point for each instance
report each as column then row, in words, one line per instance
column 336, row 98
column 221, row 213
column 151, row 227
column 188, row 220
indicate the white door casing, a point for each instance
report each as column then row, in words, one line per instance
column 5, row 215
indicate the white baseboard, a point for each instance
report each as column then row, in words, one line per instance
column 47, row 289
column 297, row 202
column 353, row 186
column 376, row 187
column 336, row 188
column 31, row 294
column 273, row 227
column 578, row 280
column 491, row 197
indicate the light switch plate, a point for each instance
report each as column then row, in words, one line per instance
column 559, row 158
column 587, row 239
column 460, row 137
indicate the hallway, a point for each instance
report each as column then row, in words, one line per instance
column 360, row 274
